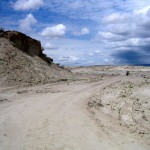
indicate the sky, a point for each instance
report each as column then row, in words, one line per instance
column 84, row 32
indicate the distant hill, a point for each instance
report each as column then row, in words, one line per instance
column 22, row 62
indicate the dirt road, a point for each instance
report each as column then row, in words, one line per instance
column 56, row 117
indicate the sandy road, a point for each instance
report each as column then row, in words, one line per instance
column 57, row 118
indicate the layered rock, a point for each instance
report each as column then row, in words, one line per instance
column 26, row 44
column 22, row 62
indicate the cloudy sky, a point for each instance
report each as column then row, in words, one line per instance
column 84, row 32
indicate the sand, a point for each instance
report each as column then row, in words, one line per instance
column 101, row 110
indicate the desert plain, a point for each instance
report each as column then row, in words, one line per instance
column 102, row 108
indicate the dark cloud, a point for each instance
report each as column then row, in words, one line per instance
column 132, row 57
column 146, row 49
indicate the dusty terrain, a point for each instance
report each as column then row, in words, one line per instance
column 103, row 109
column 23, row 62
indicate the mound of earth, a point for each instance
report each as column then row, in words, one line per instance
column 22, row 62
column 128, row 103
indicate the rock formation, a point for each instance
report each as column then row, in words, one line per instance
column 22, row 61
column 26, row 44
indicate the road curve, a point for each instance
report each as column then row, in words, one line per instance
column 56, row 118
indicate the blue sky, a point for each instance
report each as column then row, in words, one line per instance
column 84, row 32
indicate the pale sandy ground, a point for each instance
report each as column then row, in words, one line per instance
column 62, row 116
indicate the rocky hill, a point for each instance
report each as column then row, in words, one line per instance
column 22, row 62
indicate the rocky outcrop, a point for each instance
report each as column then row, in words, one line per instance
column 26, row 44
column 22, row 62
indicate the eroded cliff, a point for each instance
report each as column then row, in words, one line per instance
column 22, row 62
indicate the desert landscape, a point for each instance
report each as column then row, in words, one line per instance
column 44, row 106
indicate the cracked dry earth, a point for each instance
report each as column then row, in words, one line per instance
column 58, row 117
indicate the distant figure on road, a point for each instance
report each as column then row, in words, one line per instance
column 127, row 73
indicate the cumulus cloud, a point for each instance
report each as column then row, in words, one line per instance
column 27, row 23
column 131, row 33
column 27, row 4
column 56, row 31
column 124, row 29
column 116, row 18
column 84, row 31
column 127, row 35
column 119, row 26
column 110, row 37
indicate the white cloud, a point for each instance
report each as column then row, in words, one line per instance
column 26, row 24
column 56, row 31
column 126, row 31
column 110, row 37
column 73, row 58
column 143, row 10
column 136, row 42
column 84, row 31
column 116, row 18
column 27, row 4
column 68, row 58
column 50, row 46
column 73, row 51
column 120, row 26
column 97, row 52
column 93, row 9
